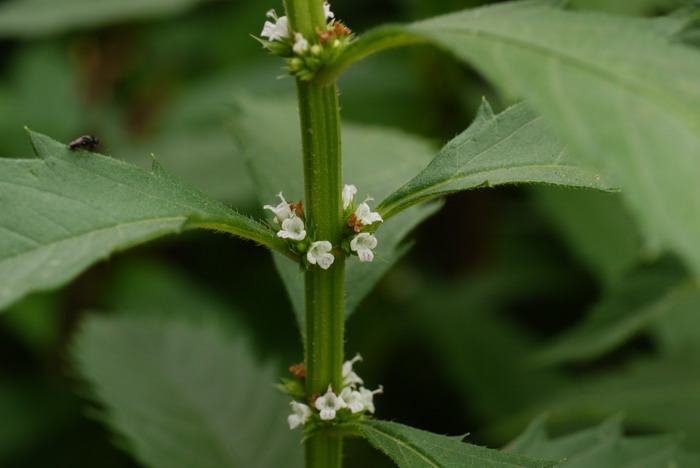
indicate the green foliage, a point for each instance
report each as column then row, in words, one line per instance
column 377, row 160
column 629, row 307
column 512, row 147
column 30, row 18
column 604, row 446
column 413, row 448
column 186, row 395
column 68, row 209
column 574, row 68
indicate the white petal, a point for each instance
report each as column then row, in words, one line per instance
column 348, row 193
column 365, row 255
column 327, row 414
column 292, row 228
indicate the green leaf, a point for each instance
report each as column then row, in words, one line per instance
column 377, row 160
column 32, row 18
column 640, row 298
column 619, row 91
column 68, row 209
column 511, row 147
column 186, row 395
column 596, row 226
column 604, row 446
column 413, row 448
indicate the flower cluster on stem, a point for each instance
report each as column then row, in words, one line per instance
column 350, row 403
column 289, row 217
column 305, row 55
column 361, row 222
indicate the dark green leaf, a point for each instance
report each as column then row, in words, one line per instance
column 514, row 146
column 619, row 90
column 68, row 209
column 604, row 446
column 596, row 227
column 185, row 395
column 640, row 298
column 31, row 18
column 413, row 448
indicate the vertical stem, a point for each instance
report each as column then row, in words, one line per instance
column 324, row 289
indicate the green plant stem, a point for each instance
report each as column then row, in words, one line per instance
column 324, row 289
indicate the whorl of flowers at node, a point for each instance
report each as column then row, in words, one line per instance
column 350, row 403
column 305, row 55
column 290, row 218
column 359, row 220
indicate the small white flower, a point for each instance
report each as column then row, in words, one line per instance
column 353, row 399
column 327, row 10
column 349, row 376
column 301, row 45
column 319, row 253
column 282, row 211
column 365, row 215
column 316, row 49
column 277, row 30
column 292, row 228
column 301, row 414
column 328, row 404
column 363, row 244
column 367, row 397
column 349, row 192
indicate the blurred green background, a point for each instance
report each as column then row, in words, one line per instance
column 445, row 332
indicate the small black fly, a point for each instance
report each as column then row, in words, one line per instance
column 85, row 142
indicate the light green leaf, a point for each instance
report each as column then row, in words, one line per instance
column 620, row 92
column 604, row 446
column 186, row 395
column 31, row 18
column 413, row 448
column 640, row 298
column 68, row 209
column 377, row 160
column 511, row 147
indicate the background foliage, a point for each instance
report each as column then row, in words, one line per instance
column 517, row 301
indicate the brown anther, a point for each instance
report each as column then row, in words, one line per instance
column 355, row 223
column 299, row 370
column 341, row 30
column 325, row 36
column 298, row 208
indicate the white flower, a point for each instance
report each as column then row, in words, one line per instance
column 301, row 414
column 353, row 399
column 292, row 228
column 282, row 211
column 365, row 215
column 327, row 10
column 301, row 45
column 277, row 30
column 349, row 192
column 363, row 244
column 328, row 404
column 367, row 397
column 319, row 252
column 349, row 376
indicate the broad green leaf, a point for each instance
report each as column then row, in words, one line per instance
column 596, row 226
column 413, row 448
column 618, row 90
column 604, row 446
column 186, row 395
column 376, row 160
column 679, row 329
column 32, row 18
column 628, row 7
column 68, row 209
column 511, row 147
column 659, row 394
column 643, row 296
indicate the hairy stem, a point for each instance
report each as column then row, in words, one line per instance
column 324, row 289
